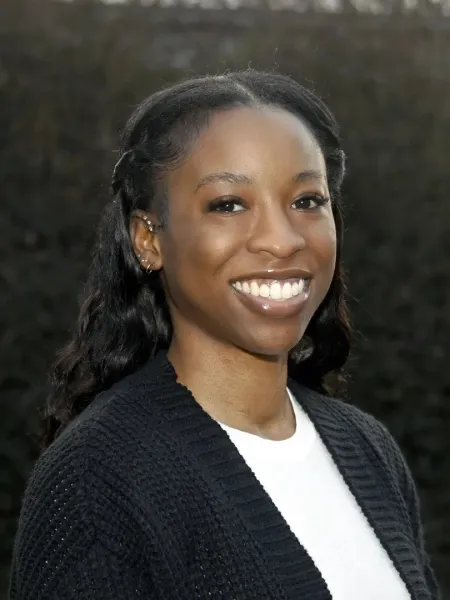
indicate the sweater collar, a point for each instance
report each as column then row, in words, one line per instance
column 294, row 574
column 290, row 571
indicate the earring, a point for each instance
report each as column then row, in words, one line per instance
column 151, row 226
column 147, row 268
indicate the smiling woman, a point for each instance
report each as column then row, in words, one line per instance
column 192, row 446
column 249, row 203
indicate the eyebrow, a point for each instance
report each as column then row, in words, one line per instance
column 308, row 175
column 239, row 179
column 227, row 177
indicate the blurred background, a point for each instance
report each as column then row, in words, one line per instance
column 71, row 73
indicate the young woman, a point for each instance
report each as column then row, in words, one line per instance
column 193, row 450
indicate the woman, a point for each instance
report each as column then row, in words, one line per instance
column 193, row 451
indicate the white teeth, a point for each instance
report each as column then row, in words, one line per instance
column 287, row 291
column 254, row 288
column 277, row 290
column 264, row 290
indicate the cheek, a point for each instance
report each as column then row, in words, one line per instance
column 194, row 264
column 197, row 252
column 324, row 245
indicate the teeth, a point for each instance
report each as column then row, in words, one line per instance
column 264, row 290
column 287, row 291
column 277, row 290
column 254, row 288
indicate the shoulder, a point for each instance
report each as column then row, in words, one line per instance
column 57, row 524
column 83, row 487
column 82, row 477
column 369, row 429
column 71, row 481
column 373, row 430
column 100, row 444
column 378, row 437
column 388, row 453
column 110, row 428
column 385, row 451
column 368, row 432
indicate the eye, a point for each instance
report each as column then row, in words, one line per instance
column 310, row 202
column 226, row 205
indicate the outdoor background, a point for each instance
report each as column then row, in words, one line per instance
column 70, row 74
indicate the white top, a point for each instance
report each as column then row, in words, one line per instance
column 306, row 486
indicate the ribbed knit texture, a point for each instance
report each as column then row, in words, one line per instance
column 145, row 497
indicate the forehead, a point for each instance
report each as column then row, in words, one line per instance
column 258, row 142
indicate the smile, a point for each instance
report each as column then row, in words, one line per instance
column 278, row 290
column 275, row 298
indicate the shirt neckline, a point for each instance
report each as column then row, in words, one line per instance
column 293, row 449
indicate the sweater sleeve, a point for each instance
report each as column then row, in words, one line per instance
column 413, row 502
column 97, row 575
column 74, row 540
column 409, row 491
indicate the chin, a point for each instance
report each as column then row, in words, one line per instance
column 273, row 343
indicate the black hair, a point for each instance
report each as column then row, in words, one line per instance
column 124, row 319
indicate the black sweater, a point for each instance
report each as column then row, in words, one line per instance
column 144, row 496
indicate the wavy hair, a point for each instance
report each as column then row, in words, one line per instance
column 124, row 318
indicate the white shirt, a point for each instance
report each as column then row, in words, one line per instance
column 304, row 483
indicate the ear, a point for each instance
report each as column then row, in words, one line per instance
column 144, row 229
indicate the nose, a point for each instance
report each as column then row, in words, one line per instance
column 275, row 232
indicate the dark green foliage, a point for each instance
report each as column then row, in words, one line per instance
column 69, row 77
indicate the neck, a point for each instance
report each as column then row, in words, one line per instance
column 238, row 389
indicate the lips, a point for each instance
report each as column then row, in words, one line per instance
column 278, row 295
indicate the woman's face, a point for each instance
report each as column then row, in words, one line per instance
column 250, row 247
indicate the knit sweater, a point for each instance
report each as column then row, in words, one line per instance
column 144, row 496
